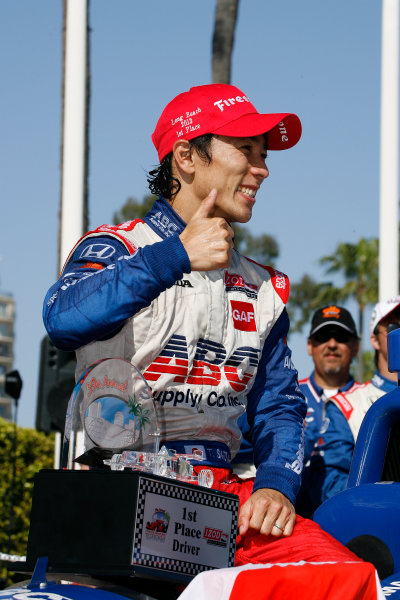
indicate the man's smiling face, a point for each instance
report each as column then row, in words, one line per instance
column 332, row 349
column 237, row 169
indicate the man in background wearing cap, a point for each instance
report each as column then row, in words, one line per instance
column 329, row 466
column 332, row 343
column 205, row 326
column 355, row 403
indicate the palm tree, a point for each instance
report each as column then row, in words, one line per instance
column 306, row 296
column 358, row 263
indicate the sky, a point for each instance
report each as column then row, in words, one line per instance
column 319, row 59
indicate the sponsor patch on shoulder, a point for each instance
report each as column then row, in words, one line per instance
column 281, row 284
column 344, row 404
column 236, row 283
column 243, row 315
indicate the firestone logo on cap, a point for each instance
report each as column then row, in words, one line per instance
column 230, row 102
column 331, row 312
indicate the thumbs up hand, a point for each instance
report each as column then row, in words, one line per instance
column 207, row 239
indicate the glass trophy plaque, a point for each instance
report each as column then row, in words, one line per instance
column 111, row 410
column 112, row 422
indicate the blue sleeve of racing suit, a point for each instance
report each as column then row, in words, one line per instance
column 276, row 410
column 92, row 302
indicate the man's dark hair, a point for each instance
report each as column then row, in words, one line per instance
column 160, row 180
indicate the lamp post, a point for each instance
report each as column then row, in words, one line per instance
column 389, row 153
column 13, row 387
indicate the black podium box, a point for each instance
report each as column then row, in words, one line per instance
column 114, row 523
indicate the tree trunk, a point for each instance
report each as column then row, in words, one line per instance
column 223, row 38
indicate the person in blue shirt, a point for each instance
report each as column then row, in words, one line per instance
column 326, row 470
column 333, row 343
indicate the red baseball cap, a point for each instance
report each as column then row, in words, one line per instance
column 224, row 110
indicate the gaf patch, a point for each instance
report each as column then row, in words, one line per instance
column 243, row 316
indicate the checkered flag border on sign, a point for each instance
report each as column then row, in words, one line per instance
column 197, row 495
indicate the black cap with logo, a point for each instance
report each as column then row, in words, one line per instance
column 334, row 316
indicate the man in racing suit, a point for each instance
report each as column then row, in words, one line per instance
column 355, row 403
column 333, row 342
column 206, row 326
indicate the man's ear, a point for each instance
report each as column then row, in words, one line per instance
column 374, row 342
column 183, row 156
column 309, row 347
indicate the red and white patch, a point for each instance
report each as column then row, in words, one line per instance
column 279, row 280
column 345, row 405
column 303, row 581
column 235, row 282
column 281, row 284
column 243, row 315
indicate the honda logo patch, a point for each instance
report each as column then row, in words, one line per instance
column 98, row 251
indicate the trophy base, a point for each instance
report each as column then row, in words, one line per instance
column 129, row 523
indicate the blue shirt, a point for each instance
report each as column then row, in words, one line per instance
column 329, row 445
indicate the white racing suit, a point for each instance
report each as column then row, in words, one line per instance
column 210, row 344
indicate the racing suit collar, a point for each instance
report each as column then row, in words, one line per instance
column 164, row 220
column 383, row 383
column 320, row 391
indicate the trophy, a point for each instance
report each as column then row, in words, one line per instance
column 112, row 421
column 122, row 503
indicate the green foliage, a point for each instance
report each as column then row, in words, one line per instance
column 133, row 209
column 359, row 264
column 369, row 364
column 34, row 451
column 262, row 248
column 305, row 297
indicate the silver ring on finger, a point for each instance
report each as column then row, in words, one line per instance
column 279, row 527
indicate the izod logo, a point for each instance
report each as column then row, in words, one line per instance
column 243, row 315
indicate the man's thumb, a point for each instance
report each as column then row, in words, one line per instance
column 207, row 205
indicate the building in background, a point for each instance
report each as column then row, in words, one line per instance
column 7, row 318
